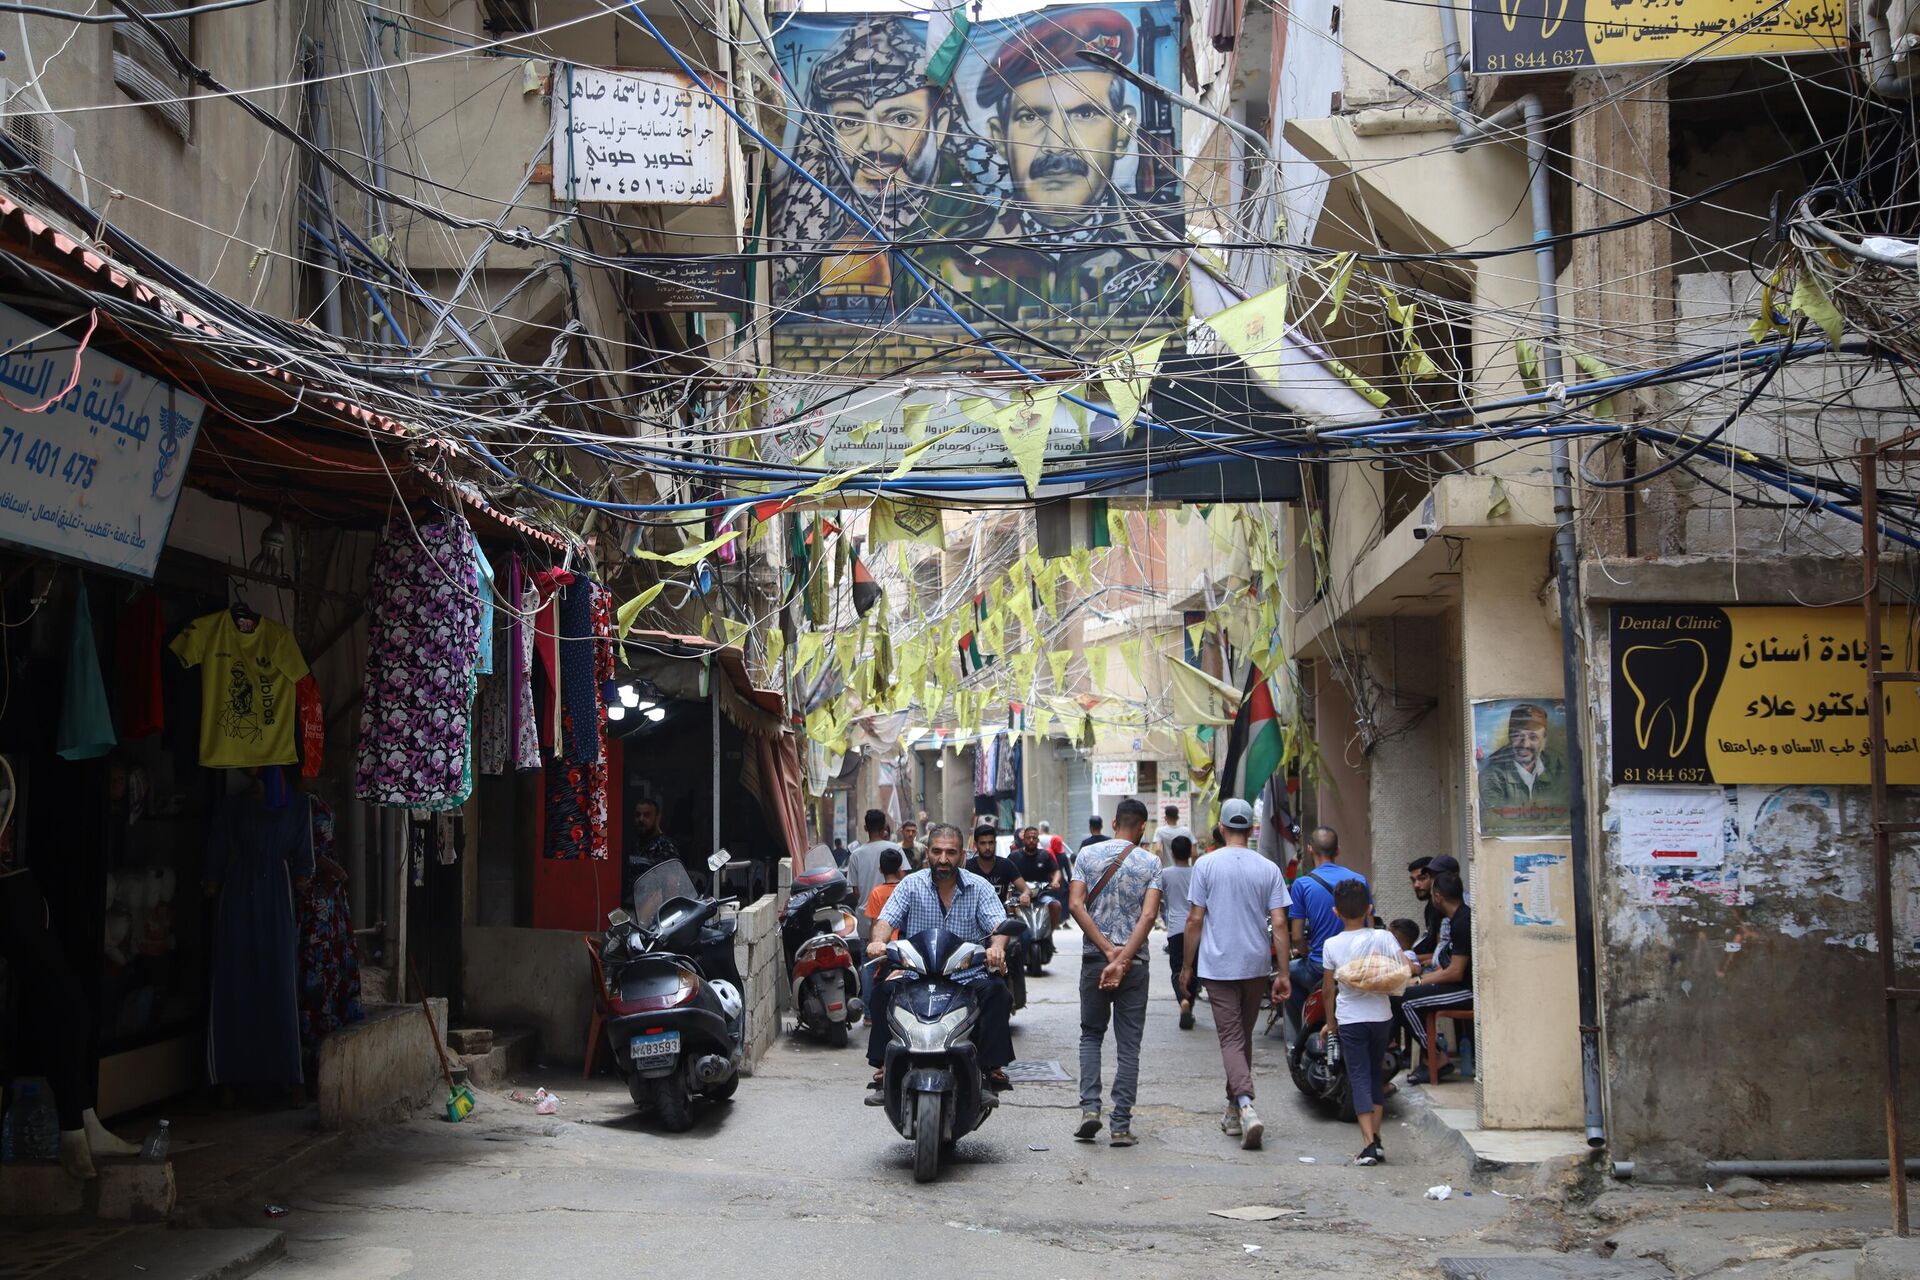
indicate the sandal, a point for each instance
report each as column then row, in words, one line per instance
column 998, row 1082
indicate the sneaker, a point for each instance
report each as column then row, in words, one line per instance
column 1230, row 1122
column 1379, row 1152
column 1186, row 1016
column 1250, row 1129
column 1089, row 1125
column 1122, row 1138
column 1367, row 1157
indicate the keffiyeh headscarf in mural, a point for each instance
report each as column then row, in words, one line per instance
column 873, row 61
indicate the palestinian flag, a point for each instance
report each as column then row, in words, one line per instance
column 866, row 592
column 970, row 661
column 1254, row 746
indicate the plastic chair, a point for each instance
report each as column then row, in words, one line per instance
column 1432, row 1019
column 601, row 1010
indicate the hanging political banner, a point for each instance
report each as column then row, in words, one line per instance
column 1564, row 35
column 1019, row 184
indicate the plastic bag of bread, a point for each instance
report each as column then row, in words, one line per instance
column 1379, row 974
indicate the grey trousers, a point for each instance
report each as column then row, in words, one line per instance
column 1126, row 1008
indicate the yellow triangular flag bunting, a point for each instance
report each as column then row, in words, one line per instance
column 895, row 522
column 913, row 420
column 1255, row 330
column 1130, row 654
column 1057, row 662
column 624, row 616
column 906, row 459
column 1025, row 425
column 1198, row 698
column 688, row 555
column 1126, row 377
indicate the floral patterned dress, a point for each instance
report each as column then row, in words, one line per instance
column 329, row 965
column 576, row 817
column 423, row 648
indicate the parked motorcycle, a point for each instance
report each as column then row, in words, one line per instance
column 822, row 942
column 932, row 1086
column 1318, row 1066
column 1038, row 944
column 678, row 1022
column 1017, row 952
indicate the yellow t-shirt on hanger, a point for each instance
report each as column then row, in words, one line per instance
column 247, row 708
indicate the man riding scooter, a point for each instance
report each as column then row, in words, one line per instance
column 1042, row 872
column 967, row 906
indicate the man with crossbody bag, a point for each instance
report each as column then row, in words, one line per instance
column 1115, row 894
column 1311, row 915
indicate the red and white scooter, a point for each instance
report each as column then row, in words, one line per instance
column 822, row 941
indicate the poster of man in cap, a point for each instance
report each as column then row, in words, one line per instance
column 1028, row 187
column 1522, row 774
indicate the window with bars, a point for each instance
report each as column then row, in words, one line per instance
column 143, row 72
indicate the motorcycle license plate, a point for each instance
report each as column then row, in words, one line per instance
column 664, row 1044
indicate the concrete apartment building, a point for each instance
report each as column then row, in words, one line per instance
column 1432, row 613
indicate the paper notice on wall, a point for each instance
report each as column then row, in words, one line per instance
column 1671, row 826
column 1541, row 882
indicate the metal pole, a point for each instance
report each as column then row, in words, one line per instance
column 1882, row 844
column 714, row 670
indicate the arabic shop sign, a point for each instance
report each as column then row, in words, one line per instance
column 95, row 475
column 1560, row 35
column 637, row 137
column 1755, row 694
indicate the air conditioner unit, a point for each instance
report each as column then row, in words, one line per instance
column 47, row 140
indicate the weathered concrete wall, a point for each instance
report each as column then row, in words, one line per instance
column 1741, row 1006
column 536, row 978
column 382, row 1068
column 1525, row 981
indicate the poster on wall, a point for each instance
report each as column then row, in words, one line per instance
column 1542, row 885
column 92, row 453
column 988, row 165
column 637, row 137
column 1520, row 768
column 1671, row 826
column 1771, row 694
column 1115, row 778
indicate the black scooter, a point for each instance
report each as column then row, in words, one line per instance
column 932, row 1085
column 678, row 1020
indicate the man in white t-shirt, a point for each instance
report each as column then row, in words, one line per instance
column 863, row 867
column 1169, row 831
column 1237, row 906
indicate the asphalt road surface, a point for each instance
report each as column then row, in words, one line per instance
column 795, row 1178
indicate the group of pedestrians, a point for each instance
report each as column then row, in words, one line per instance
column 1236, row 935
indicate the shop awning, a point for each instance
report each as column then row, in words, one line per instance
column 273, row 439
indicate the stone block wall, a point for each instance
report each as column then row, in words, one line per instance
column 758, row 956
column 381, row 1068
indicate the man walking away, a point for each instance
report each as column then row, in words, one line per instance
column 1096, row 831
column 863, row 866
column 1449, row 982
column 1174, row 884
column 1115, row 896
column 1170, row 830
column 1312, row 917
column 1361, row 1019
column 1237, row 908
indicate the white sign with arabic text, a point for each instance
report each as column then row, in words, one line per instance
column 91, row 458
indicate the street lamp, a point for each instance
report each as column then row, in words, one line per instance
column 1107, row 62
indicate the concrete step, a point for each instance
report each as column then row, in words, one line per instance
column 161, row 1253
column 512, row 1054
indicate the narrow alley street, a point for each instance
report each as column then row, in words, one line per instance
column 797, row 1175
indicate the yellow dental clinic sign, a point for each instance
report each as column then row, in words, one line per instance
column 1561, row 35
column 1756, row 694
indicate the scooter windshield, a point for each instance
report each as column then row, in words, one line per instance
column 660, row 885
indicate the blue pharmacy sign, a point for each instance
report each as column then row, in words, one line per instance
column 92, row 453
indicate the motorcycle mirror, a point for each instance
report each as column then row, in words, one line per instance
column 719, row 859
column 617, row 917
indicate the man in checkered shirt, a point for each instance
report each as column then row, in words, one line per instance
column 945, row 896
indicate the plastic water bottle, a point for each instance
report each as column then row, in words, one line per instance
column 32, row 1130
column 155, row 1147
column 1466, row 1057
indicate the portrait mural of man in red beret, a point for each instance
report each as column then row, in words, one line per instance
column 1026, row 186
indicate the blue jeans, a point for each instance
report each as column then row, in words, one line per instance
column 1364, row 1046
column 1305, row 973
column 1125, row 1009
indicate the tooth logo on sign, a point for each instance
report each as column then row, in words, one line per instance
column 1685, row 659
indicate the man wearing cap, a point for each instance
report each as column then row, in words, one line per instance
column 1236, row 908
column 886, row 142
column 1069, row 238
column 1523, row 786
